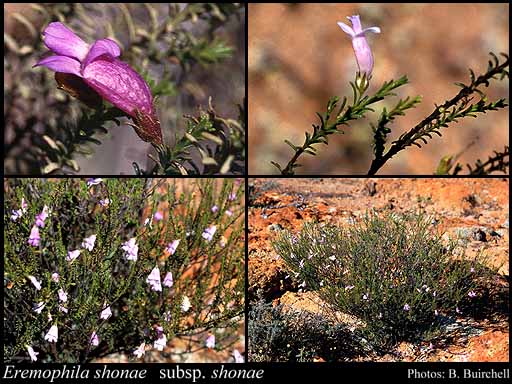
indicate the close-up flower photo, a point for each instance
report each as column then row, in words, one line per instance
column 124, row 270
column 136, row 89
column 378, row 89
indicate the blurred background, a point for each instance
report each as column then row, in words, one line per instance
column 194, row 50
column 299, row 58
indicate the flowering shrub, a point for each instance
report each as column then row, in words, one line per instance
column 120, row 265
column 393, row 272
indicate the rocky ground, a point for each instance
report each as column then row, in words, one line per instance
column 475, row 210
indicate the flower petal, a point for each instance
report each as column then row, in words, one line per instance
column 356, row 23
column 370, row 29
column 63, row 41
column 62, row 64
column 119, row 84
column 348, row 30
column 102, row 47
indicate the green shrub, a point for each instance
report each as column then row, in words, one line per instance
column 171, row 225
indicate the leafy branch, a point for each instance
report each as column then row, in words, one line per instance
column 358, row 108
column 458, row 107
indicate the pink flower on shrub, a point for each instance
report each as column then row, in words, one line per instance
column 131, row 248
column 55, row 277
column 33, row 354
column 34, row 237
column 16, row 214
column 140, row 350
column 63, row 308
column 154, row 280
column 106, row 313
column 105, row 202
column 209, row 232
column 158, row 216
column 232, row 196
column 40, row 219
column 52, row 335
column 171, row 247
column 472, row 294
column 38, row 307
column 88, row 242
column 72, row 255
column 90, row 181
column 63, row 296
column 98, row 66
column 161, row 342
column 238, row 356
column 349, row 287
column 229, row 212
column 210, row 342
column 360, row 45
column 407, row 307
column 34, row 281
column 215, row 209
column 94, row 340
column 472, row 270
column 168, row 281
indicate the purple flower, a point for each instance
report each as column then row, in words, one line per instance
column 171, row 247
column 42, row 217
column 238, row 356
column 106, row 313
column 94, row 340
column 32, row 353
column 34, row 281
column 185, row 304
column 34, row 237
column 168, row 281
column 154, row 280
column 366, row 296
column 72, row 255
column 16, row 214
column 158, row 216
column 140, row 350
column 131, row 248
column 88, row 242
column 63, row 296
column 210, row 342
column 52, row 335
column 38, row 307
column 99, row 67
column 349, row 287
column 161, row 342
column 63, row 308
column 209, row 232
column 55, row 277
column 407, row 307
column 91, row 181
column 472, row 270
column 229, row 212
column 301, row 264
column 105, row 202
column 232, row 196
column 362, row 50
column 215, row 209
column 472, row 294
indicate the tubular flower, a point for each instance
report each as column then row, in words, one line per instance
column 100, row 69
column 362, row 50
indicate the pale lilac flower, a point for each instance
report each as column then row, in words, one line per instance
column 55, row 277
column 366, row 296
column 238, row 356
column 154, row 280
column 168, row 281
column 185, row 304
column 50, row 318
column 436, row 312
column 140, row 350
column 160, row 343
column 229, row 212
column 106, row 313
column 361, row 48
column 131, row 248
column 16, row 214
column 301, row 264
column 472, row 270
column 38, row 307
column 40, row 219
column 209, row 232
column 232, row 196
column 90, row 181
column 215, row 209
column 434, row 293
column 33, row 354
column 63, row 296
column 52, row 335
column 72, row 255
column 303, row 285
column 171, row 247
column 332, row 258
column 167, row 316
column 94, row 340
column 105, row 202
column 158, row 216
column 407, row 307
column 472, row 294
column 63, row 308
column 210, row 342
column 88, row 242
column 322, row 283
column 34, row 281
column 222, row 241
column 34, row 238
column 457, row 310
column 98, row 66
column 146, row 222
column 380, row 315
column 349, row 287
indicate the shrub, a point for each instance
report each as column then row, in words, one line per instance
column 391, row 271
column 164, row 264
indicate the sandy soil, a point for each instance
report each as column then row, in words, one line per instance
column 473, row 209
